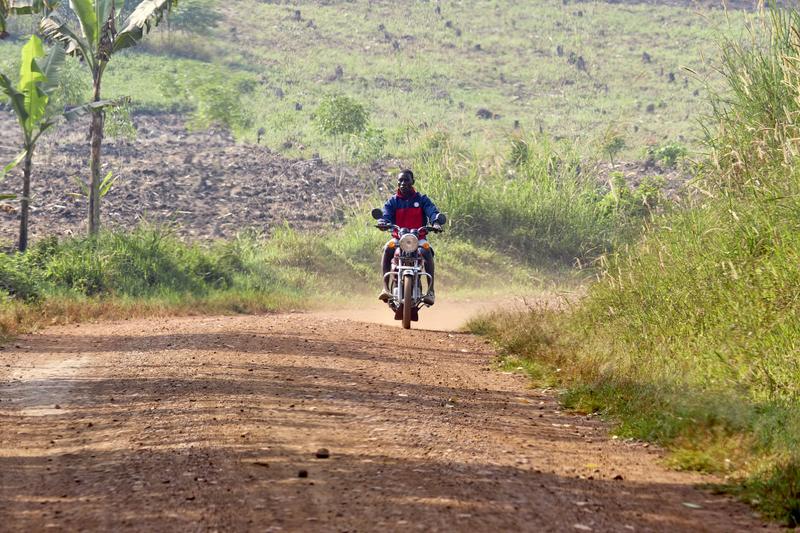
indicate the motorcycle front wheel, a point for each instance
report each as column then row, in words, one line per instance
column 408, row 296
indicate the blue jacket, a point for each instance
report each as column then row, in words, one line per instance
column 411, row 212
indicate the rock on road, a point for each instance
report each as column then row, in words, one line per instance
column 218, row 424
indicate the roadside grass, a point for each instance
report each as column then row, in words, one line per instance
column 149, row 272
column 517, row 222
column 691, row 336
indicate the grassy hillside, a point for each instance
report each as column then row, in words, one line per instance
column 588, row 72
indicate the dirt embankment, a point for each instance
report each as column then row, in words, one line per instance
column 203, row 181
column 311, row 423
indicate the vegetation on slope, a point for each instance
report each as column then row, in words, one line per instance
column 471, row 67
column 692, row 336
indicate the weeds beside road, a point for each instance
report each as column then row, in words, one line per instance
column 690, row 337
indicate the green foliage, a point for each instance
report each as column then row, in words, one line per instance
column 667, row 154
column 612, row 143
column 339, row 114
column 145, row 262
column 542, row 209
column 519, row 151
column 195, row 16
column 74, row 85
column 367, row 146
column 638, row 201
column 220, row 106
column 692, row 335
column 752, row 128
column 38, row 78
column 16, row 280
column 118, row 123
column 105, row 185
column 215, row 104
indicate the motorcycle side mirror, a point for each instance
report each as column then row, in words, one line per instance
column 440, row 219
column 377, row 214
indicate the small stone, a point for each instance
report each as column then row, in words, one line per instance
column 323, row 453
column 618, row 477
column 302, row 473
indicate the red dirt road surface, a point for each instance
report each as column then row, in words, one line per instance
column 311, row 422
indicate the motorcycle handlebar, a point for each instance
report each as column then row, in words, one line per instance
column 429, row 229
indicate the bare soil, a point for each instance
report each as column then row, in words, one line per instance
column 203, row 183
column 217, row 424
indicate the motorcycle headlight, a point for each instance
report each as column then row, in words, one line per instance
column 409, row 242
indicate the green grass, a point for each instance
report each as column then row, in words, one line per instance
column 504, row 60
column 691, row 336
column 149, row 271
column 517, row 222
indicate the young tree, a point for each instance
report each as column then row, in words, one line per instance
column 99, row 41
column 38, row 78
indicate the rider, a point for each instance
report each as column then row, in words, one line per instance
column 408, row 209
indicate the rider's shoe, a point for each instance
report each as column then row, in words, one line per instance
column 429, row 298
column 384, row 295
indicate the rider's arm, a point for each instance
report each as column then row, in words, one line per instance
column 389, row 210
column 431, row 211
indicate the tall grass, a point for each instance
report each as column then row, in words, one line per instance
column 691, row 336
column 532, row 201
column 753, row 127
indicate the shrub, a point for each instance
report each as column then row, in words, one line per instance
column 118, row 123
column 668, row 154
column 339, row 114
column 612, row 143
column 74, row 84
column 219, row 105
column 368, row 145
column 17, row 280
column 624, row 200
column 216, row 103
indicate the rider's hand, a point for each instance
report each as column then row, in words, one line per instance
column 437, row 227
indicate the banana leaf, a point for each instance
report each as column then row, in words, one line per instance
column 146, row 14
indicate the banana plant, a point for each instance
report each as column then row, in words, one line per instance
column 23, row 7
column 38, row 78
column 98, row 42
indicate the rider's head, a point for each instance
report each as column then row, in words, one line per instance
column 405, row 181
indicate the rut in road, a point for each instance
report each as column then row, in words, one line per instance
column 209, row 423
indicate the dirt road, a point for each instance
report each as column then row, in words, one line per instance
column 214, row 424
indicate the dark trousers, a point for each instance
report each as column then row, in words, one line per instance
column 386, row 263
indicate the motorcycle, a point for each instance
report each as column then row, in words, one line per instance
column 408, row 268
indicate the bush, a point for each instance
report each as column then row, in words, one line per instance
column 219, row 105
column 668, row 154
column 216, row 103
column 625, row 201
column 367, row 146
column 118, row 123
column 17, row 280
column 339, row 114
